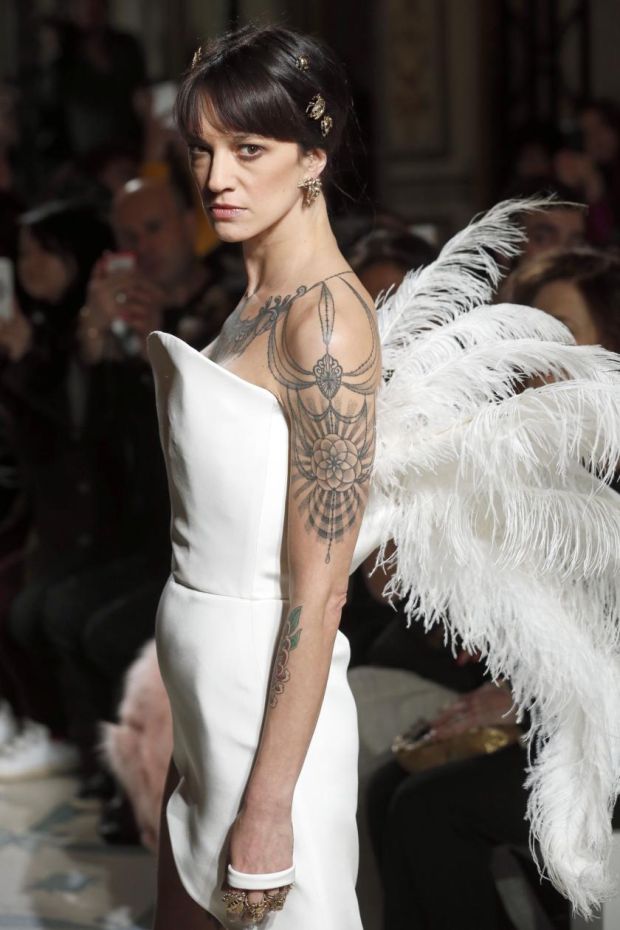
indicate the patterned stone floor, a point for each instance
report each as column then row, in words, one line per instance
column 56, row 874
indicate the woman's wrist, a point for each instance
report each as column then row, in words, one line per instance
column 267, row 804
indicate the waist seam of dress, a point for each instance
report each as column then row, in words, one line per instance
column 230, row 597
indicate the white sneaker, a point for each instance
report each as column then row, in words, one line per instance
column 8, row 723
column 34, row 754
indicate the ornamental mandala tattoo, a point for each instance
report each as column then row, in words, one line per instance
column 289, row 640
column 333, row 436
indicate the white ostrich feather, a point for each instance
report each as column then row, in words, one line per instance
column 504, row 526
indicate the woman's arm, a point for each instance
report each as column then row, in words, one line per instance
column 326, row 360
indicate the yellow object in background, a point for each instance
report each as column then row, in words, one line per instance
column 206, row 240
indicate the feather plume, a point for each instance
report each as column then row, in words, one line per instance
column 504, row 525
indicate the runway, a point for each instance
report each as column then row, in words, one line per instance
column 55, row 873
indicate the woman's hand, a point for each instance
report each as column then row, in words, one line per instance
column 15, row 334
column 488, row 705
column 144, row 308
column 261, row 842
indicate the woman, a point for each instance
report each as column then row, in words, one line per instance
column 299, row 356
column 580, row 287
column 269, row 439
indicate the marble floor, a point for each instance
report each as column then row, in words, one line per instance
column 56, row 874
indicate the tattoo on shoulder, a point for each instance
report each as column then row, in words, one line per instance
column 289, row 640
column 334, row 437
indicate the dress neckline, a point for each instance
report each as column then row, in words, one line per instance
column 225, row 371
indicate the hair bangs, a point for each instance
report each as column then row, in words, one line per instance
column 238, row 100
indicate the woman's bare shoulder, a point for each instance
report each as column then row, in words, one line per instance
column 334, row 312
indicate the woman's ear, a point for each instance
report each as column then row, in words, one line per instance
column 314, row 161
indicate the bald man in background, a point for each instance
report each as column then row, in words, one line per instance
column 170, row 287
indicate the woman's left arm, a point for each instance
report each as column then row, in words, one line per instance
column 327, row 362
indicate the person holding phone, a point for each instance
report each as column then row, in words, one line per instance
column 41, row 297
column 155, row 279
column 86, row 437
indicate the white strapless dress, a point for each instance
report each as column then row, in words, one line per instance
column 226, row 444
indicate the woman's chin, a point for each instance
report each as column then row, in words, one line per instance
column 228, row 233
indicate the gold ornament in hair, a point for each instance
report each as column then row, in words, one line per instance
column 302, row 63
column 316, row 107
column 197, row 56
column 316, row 110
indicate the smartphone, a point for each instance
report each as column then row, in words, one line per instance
column 115, row 262
column 119, row 261
column 163, row 96
column 7, row 289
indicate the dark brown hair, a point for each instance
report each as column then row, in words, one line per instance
column 254, row 85
column 397, row 246
column 595, row 274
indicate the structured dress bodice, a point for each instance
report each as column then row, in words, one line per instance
column 228, row 510
column 226, row 446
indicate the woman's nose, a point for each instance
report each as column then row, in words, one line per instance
column 220, row 174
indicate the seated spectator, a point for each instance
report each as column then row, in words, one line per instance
column 580, row 287
column 57, row 247
column 386, row 253
column 438, row 829
column 561, row 226
column 89, row 451
column 170, row 287
column 599, row 122
column 533, row 147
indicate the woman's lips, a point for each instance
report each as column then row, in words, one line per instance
column 225, row 212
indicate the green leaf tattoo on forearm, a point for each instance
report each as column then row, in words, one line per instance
column 289, row 640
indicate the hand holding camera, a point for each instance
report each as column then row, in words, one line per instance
column 15, row 328
column 120, row 302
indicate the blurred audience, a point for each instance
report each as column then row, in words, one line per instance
column 599, row 122
column 167, row 286
column 558, row 226
column 57, row 247
column 79, row 396
column 533, row 148
column 580, row 287
column 96, row 75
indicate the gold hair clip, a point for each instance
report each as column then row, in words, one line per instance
column 316, row 107
column 316, row 110
column 302, row 63
column 197, row 56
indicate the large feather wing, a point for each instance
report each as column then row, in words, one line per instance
column 503, row 522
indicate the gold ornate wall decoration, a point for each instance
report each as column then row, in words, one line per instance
column 416, row 119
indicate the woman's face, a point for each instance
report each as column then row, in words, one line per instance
column 248, row 183
column 43, row 275
column 564, row 301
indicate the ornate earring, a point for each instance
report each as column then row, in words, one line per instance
column 312, row 188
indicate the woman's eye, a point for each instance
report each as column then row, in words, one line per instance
column 250, row 150
column 196, row 151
